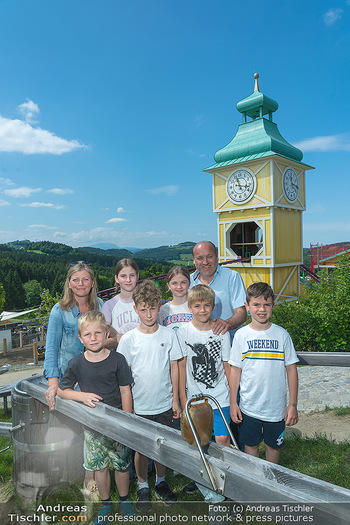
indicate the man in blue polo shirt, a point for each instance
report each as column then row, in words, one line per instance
column 229, row 311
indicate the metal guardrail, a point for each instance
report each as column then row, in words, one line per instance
column 244, row 478
column 324, row 358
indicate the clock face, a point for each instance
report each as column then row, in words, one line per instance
column 290, row 185
column 241, row 186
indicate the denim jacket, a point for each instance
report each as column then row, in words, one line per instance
column 62, row 343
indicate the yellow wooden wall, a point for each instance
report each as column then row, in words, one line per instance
column 288, row 236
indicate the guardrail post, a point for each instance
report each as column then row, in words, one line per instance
column 4, row 347
column 21, row 339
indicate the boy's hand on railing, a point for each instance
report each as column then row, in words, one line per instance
column 51, row 392
column 90, row 399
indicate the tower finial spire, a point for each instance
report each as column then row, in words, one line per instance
column 256, row 87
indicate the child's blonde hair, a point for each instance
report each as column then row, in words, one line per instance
column 175, row 270
column 201, row 293
column 92, row 317
column 258, row 290
column 68, row 300
column 147, row 292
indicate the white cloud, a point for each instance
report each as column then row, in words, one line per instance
column 7, row 236
column 60, row 191
column 121, row 210
column 153, row 233
column 22, row 191
column 116, row 219
column 200, row 120
column 6, row 182
column 43, row 205
column 332, row 16
column 327, row 143
column 42, row 226
column 59, row 234
column 4, row 203
column 108, row 234
column 29, row 110
column 167, row 190
column 19, row 136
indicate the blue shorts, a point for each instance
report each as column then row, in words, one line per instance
column 253, row 431
column 219, row 427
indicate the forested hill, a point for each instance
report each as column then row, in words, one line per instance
column 169, row 253
column 26, row 268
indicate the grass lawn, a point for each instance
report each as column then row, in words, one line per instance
column 318, row 457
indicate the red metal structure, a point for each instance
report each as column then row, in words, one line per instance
column 323, row 255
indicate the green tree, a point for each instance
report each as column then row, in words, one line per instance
column 33, row 292
column 103, row 283
column 2, row 298
column 58, row 284
column 319, row 319
column 47, row 302
column 14, row 290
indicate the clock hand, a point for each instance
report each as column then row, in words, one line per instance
column 239, row 184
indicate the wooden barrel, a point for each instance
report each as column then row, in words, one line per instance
column 47, row 450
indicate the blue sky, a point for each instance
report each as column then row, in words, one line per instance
column 110, row 110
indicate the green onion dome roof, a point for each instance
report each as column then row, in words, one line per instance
column 258, row 137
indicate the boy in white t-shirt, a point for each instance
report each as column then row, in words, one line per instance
column 203, row 368
column 262, row 355
column 152, row 352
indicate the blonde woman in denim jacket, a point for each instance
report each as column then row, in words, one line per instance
column 62, row 343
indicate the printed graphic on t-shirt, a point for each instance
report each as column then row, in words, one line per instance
column 267, row 349
column 125, row 321
column 204, row 363
column 177, row 318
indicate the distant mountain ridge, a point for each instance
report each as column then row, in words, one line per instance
column 181, row 251
column 111, row 246
column 115, row 252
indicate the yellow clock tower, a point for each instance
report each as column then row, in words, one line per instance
column 259, row 197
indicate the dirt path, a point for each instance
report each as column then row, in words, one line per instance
column 324, row 423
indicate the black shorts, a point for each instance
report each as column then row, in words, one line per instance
column 164, row 418
column 253, row 431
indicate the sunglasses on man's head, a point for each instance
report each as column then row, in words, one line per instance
column 78, row 262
